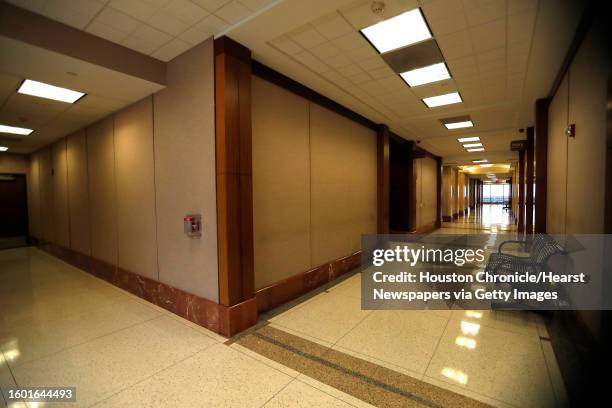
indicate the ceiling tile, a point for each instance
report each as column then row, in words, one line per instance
column 255, row 5
column 286, row 45
column 311, row 61
column 117, row 20
column 325, row 50
column 106, row 32
column 489, row 36
column 73, row 13
column 332, row 26
column 167, row 23
column 171, row 49
column 520, row 27
column 350, row 41
column 339, row 61
column 184, row 11
column 35, row 6
column 372, row 63
column 455, row 45
column 445, row 17
column 139, row 9
column 350, row 70
column 204, row 29
column 307, row 37
column 362, row 53
column 211, row 5
column 359, row 78
column 380, row 73
column 146, row 39
column 233, row 12
column 483, row 11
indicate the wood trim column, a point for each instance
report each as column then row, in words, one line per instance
column 521, row 192
column 383, row 176
column 234, row 171
column 439, row 193
column 529, row 182
column 541, row 163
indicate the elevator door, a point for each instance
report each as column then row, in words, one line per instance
column 13, row 211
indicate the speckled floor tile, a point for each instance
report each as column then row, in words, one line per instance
column 299, row 394
column 110, row 363
column 216, row 377
column 402, row 337
column 496, row 363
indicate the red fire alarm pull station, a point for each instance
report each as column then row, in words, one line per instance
column 192, row 224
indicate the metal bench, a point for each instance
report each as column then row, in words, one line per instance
column 541, row 248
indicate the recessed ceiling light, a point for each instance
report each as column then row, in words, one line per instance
column 486, row 165
column 3, row 148
column 399, row 31
column 15, row 130
column 42, row 90
column 440, row 100
column 459, row 125
column 426, row 75
column 472, row 145
column 480, row 161
column 469, row 139
column 479, row 149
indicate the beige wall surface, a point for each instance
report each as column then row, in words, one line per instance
column 281, row 183
column 343, row 184
column 135, row 186
column 78, row 192
column 427, row 198
column 61, row 217
column 14, row 163
column 119, row 189
column 102, row 190
column 314, row 184
column 557, row 167
column 184, row 136
column 34, row 197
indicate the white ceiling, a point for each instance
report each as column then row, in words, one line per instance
column 487, row 44
column 162, row 29
column 502, row 55
column 51, row 119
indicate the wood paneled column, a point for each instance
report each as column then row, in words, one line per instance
column 529, row 182
column 439, row 193
column 234, row 174
column 383, row 177
column 521, row 192
column 541, row 163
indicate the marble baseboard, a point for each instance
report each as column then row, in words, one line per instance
column 295, row 286
column 221, row 319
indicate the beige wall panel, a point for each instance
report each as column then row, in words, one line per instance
column 14, row 163
column 281, row 183
column 61, row 217
column 34, row 196
column 447, row 192
column 185, row 172
column 46, row 194
column 429, row 195
column 418, row 171
column 134, row 174
column 103, row 213
column 78, row 191
column 343, row 184
column 557, row 166
column 586, row 153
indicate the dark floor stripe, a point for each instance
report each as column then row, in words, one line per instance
column 344, row 370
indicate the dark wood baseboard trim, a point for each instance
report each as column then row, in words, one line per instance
column 221, row 319
column 455, row 216
column 291, row 288
column 447, row 218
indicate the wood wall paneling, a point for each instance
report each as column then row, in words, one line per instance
column 383, row 178
column 529, row 172
column 541, row 163
column 234, row 175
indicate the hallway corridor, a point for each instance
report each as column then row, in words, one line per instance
column 61, row 326
column 485, row 217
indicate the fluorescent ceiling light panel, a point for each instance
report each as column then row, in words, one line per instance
column 441, row 100
column 486, row 165
column 469, row 139
column 459, row 125
column 15, row 130
column 42, row 90
column 480, row 161
column 479, row 149
column 472, row 145
column 3, row 148
column 426, row 75
column 399, row 31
